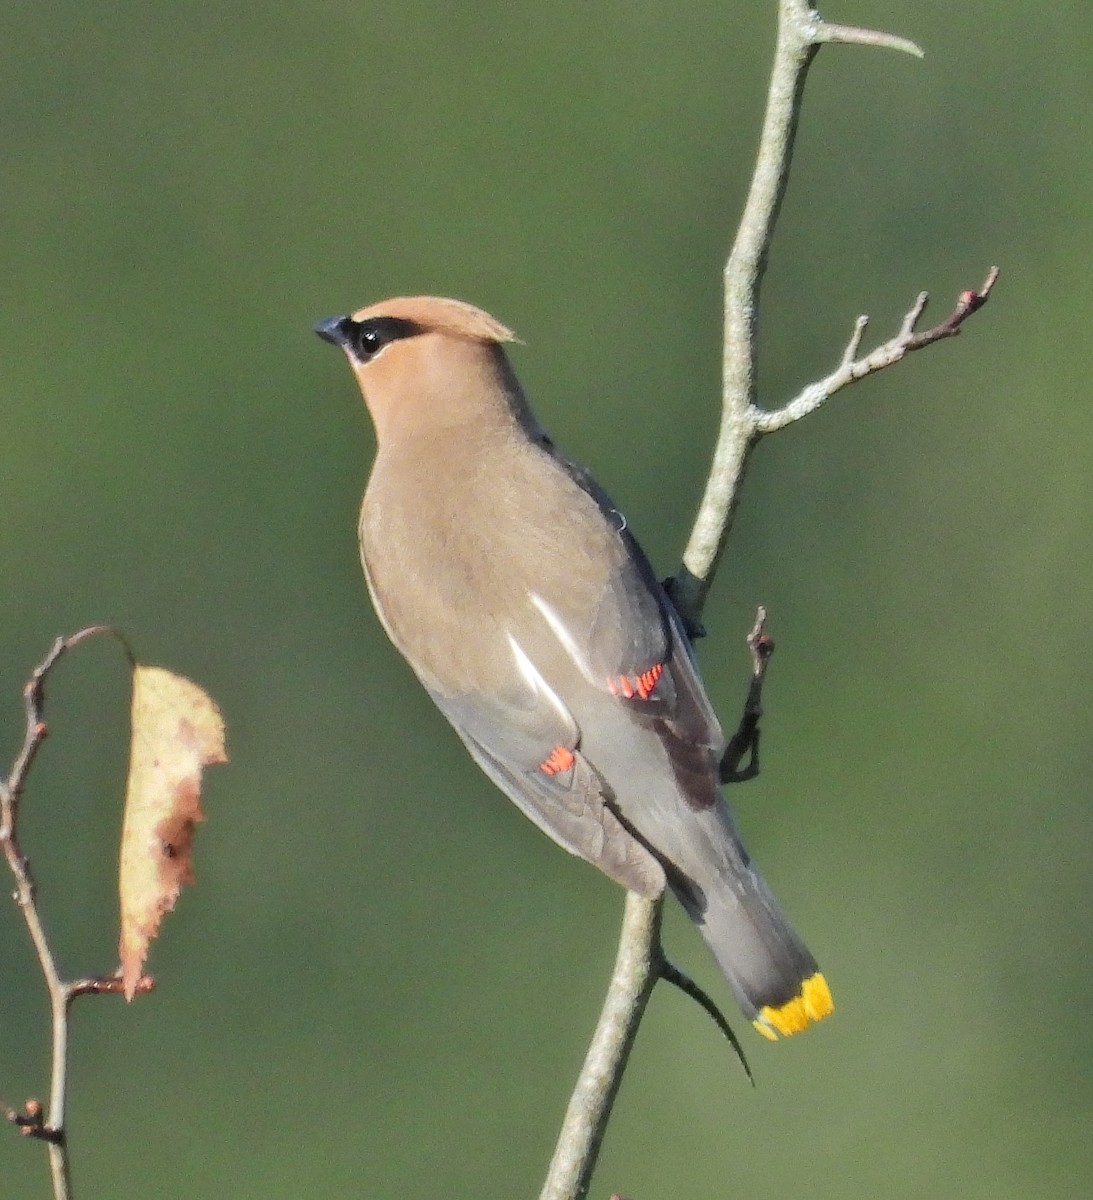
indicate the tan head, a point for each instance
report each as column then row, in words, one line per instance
column 425, row 363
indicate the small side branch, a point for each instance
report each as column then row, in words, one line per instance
column 670, row 973
column 852, row 368
column 853, row 35
column 744, row 743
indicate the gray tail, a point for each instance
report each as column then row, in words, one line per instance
column 774, row 977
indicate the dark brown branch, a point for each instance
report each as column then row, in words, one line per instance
column 107, row 985
column 47, row 1125
column 31, row 1122
column 745, row 741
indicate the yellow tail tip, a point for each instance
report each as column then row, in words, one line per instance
column 812, row 1003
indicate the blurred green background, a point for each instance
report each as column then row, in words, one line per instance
column 385, row 981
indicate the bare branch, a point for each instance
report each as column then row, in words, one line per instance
column 108, row 985
column 852, row 35
column 744, row 743
column 34, row 1122
column 795, row 48
column 31, row 1121
column 801, row 32
column 639, row 964
column 637, row 968
column 851, row 368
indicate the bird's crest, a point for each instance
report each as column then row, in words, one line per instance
column 453, row 317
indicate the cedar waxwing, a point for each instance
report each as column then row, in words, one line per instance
column 516, row 592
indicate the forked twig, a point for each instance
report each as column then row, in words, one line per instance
column 851, row 368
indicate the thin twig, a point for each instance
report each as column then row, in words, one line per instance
column 851, row 368
column 107, row 985
column 744, row 743
column 853, row 35
column 641, row 962
column 48, row 1125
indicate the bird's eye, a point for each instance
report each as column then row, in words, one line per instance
column 376, row 332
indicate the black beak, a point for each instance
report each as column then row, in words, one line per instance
column 335, row 330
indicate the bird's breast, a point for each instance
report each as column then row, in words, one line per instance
column 468, row 554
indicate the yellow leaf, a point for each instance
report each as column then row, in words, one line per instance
column 177, row 730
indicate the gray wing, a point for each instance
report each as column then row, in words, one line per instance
column 528, row 744
column 636, row 644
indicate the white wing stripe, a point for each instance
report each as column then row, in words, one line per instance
column 557, row 627
column 536, row 682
